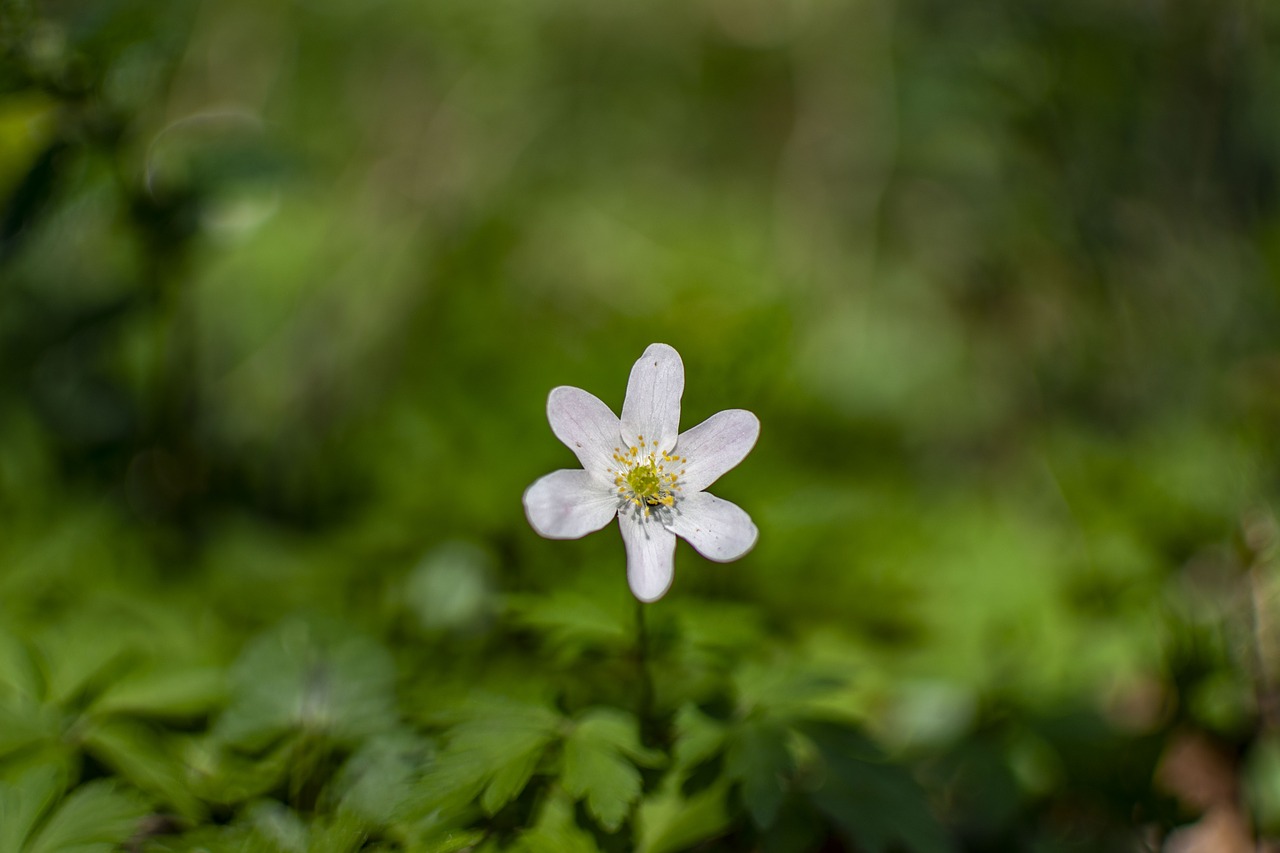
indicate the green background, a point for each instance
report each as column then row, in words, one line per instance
column 283, row 288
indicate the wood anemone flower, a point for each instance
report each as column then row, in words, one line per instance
column 643, row 471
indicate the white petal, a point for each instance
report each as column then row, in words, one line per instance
column 587, row 427
column 720, row 530
column 652, row 406
column 569, row 504
column 715, row 446
column 651, row 552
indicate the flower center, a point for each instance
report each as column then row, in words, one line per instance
column 646, row 477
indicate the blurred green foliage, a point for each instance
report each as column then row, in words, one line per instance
column 283, row 286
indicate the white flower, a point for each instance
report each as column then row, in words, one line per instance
column 642, row 471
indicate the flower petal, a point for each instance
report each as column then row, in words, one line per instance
column 652, row 406
column 569, row 504
column 715, row 446
column 651, row 552
column 719, row 530
column 586, row 426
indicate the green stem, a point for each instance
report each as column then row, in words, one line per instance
column 645, row 705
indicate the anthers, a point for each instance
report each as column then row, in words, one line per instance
column 647, row 478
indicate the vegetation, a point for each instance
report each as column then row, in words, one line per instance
column 283, row 289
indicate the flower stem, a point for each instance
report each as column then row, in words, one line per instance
column 645, row 704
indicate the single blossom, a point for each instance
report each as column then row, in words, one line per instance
column 643, row 471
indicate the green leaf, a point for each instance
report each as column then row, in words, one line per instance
column 18, row 672
column 23, row 723
column 491, row 756
column 451, row 588
column 276, row 827
column 378, row 780
column 316, row 679
column 22, row 804
column 784, row 688
column 177, row 692
column 556, row 831
column 95, row 818
column 572, row 621
column 876, row 804
column 139, row 755
column 757, row 756
column 79, row 654
column 448, row 841
column 670, row 822
column 343, row 833
column 218, row 774
column 598, row 764
column 508, row 780
column 798, row 826
column 698, row 737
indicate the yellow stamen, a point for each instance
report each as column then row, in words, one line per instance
column 642, row 478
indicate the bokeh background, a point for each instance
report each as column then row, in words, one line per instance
column 284, row 285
